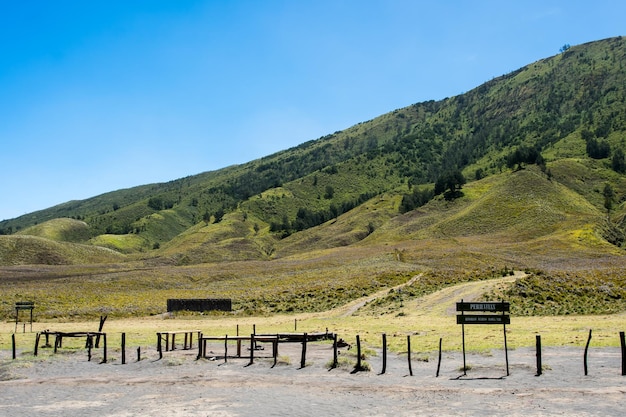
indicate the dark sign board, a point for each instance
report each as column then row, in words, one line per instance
column 482, row 319
column 199, row 304
column 486, row 306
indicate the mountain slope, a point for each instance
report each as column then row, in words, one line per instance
column 345, row 188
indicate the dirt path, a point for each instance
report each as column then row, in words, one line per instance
column 443, row 302
column 350, row 308
column 440, row 303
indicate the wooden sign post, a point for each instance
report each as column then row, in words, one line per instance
column 484, row 307
column 24, row 305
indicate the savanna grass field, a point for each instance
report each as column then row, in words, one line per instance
column 406, row 291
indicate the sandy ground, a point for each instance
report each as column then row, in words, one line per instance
column 66, row 384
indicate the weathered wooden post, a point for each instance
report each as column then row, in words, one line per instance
column 139, row 354
column 303, row 357
column 104, row 354
column 251, row 349
column 358, row 353
column 123, row 348
column 225, row 348
column 13, row 345
column 37, row 336
column 238, row 343
column 335, row 353
column 275, row 350
column 439, row 361
column 586, row 350
column 295, row 325
column 102, row 320
column 159, row 346
column 384, row 354
column 89, row 344
column 539, row 364
column 408, row 351
column 622, row 340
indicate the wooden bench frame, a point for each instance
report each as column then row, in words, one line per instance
column 253, row 339
column 274, row 339
column 58, row 341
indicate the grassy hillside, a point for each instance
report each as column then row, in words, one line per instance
column 61, row 230
column 32, row 250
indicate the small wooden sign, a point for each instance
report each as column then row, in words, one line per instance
column 486, row 306
column 482, row 319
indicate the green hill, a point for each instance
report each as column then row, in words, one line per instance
column 540, row 151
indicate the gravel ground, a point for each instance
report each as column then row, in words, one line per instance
column 66, row 384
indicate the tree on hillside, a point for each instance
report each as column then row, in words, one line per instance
column 524, row 155
column 598, row 149
column 206, row 217
column 609, row 197
column 219, row 215
column 416, row 199
column 452, row 181
column 618, row 163
column 329, row 193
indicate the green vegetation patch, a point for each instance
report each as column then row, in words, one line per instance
column 562, row 293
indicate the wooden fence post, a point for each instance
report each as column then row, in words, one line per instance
column 358, row 353
column 104, row 353
column 159, row 346
column 89, row 344
column 384, row 354
column 539, row 363
column 102, row 320
column 275, row 350
column 37, row 336
column 586, row 350
column 303, row 358
column 13, row 345
column 623, row 345
column 408, row 351
column 335, row 353
column 123, row 348
column 251, row 349
column 439, row 361
column 139, row 354
column 225, row 348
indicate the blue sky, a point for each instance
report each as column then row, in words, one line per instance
column 97, row 96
